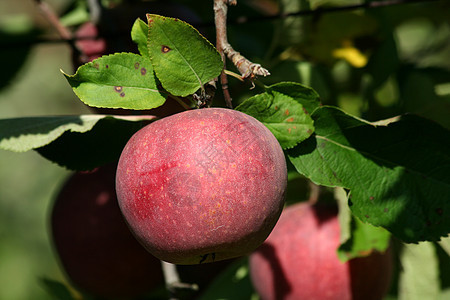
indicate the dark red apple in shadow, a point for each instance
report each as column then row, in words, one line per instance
column 299, row 261
column 95, row 247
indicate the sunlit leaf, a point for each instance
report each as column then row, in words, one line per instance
column 184, row 61
column 121, row 80
column 419, row 278
column 139, row 35
column 285, row 117
column 76, row 142
column 306, row 96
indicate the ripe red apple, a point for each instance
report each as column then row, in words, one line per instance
column 95, row 247
column 299, row 260
column 201, row 186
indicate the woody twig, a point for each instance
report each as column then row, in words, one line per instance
column 248, row 69
column 51, row 16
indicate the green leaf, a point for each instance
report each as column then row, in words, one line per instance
column 77, row 142
column 14, row 31
column 364, row 239
column 57, row 289
column 24, row 134
column 121, row 80
column 139, row 35
column 445, row 244
column 284, row 116
column 358, row 239
column 398, row 172
column 182, row 58
column 306, row 96
column 233, row 283
column 419, row 278
column 344, row 216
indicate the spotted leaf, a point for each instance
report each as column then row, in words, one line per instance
column 285, row 117
column 121, row 80
column 184, row 61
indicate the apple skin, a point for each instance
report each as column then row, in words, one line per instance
column 299, row 261
column 201, row 186
column 94, row 245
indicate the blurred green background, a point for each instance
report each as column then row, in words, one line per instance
column 28, row 181
column 408, row 67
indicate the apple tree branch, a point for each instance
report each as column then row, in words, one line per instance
column 248, row 69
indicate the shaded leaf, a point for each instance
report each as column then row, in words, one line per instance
column 383, row 62
column 139, row 34
column 184, row 61
column 233, row 283
column 57, row 289
column 15, row 37
column 284, row 116
column 398, row 172
column 121, row 80
column 419, row 278
column 77, row 142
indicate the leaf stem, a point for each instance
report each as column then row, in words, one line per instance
column 180, row 101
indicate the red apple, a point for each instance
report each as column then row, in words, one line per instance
column 201, row 186
column 90, row 44
column 95, row 247
column 299, row 261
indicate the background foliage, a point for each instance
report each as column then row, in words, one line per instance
column 375, row 64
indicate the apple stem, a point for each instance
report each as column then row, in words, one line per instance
column 248, row 69
column 173, row 282
column 180, row 101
